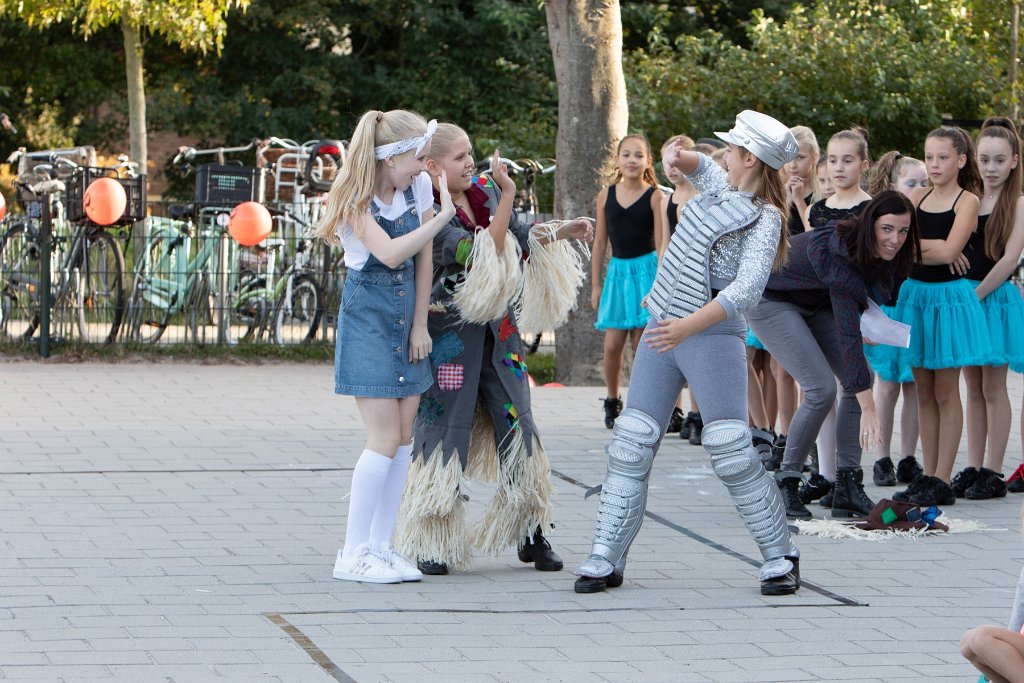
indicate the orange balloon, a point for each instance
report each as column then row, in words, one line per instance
column 250, row 223
column 3, row 207
column 105, row 201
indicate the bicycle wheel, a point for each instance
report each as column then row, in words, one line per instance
column 297, row 313
column 19, row 288
column 249, row 310
column 100, row 288
column 156, row 290
column 199, row 309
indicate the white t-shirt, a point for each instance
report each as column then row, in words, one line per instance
column 356, row 253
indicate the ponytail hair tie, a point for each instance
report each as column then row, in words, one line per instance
column 380, row 116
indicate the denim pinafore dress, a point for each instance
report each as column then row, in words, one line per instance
column 371, row 355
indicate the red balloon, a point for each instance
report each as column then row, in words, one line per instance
column 250, row 223
column 105, row 201
column 555, row 384
column 3, row 207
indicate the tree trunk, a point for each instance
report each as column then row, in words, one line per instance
column 586, row 44
column 138, row 149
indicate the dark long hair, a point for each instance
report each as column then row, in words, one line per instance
column 858, row 235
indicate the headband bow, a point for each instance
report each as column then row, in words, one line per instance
column 393, row 149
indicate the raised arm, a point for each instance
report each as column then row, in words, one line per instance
column 503, row 213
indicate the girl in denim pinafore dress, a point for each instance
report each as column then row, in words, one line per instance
column 371, row 356
column 383, row 342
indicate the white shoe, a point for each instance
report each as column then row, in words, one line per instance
column 400, row 563
column 366, row 567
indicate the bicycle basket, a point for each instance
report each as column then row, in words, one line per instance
column 229, row 185
column 134, row 191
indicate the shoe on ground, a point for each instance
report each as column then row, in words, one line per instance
column 597, row 584
column 826, row 500
column 366, row 567
column 849, row 498
column 916, row 486
column 989, row 484
column 964, row 480
column 884, row 473
column 400, row 563
column 684, row 430
column 1015, row 484
column 787, row 584
column 612, row 409
column 789, row 486
column 432, row 567
column 908, row 469
column 814, row 488
column 538, row 551
column 675, row 423
column 696, row 427
column 933, row 491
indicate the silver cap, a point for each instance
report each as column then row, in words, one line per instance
column 764, row 137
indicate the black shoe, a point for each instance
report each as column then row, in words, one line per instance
column 884, row 472
column 919, row 483
column 540, row 553
column 908, row 469
column 814, row 488
column 696, row 427
column 989, row 484
column 675, row 423
column 826, row 500
column 684, row 429
column 590, row 584
column 789, row 485
column 612, row 409
column 850, row 500
column 933, row 491
column 431, row 568
column 787, row 584
column 964, row 480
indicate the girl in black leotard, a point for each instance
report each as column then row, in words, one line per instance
column 948, row 328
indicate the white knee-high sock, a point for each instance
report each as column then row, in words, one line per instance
column 385, row 516
column 368, row 479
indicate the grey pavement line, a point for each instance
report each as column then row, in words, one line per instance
column 719, row 547
column 309, row 647
column 191, row 470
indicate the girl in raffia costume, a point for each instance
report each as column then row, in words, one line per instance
column 492, row 274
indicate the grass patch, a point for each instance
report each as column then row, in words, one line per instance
column 155, row 353
column 542, row 367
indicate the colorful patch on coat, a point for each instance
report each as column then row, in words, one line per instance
column 506, row 329
column 430, row 410
column 450, row 282
column 483, row 181
column 450, row 376
column 511, row 416
column 463, row 250
column 515, row 363
column 448, row 346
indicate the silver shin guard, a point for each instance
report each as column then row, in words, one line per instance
column 753, row 491
column 624, row 492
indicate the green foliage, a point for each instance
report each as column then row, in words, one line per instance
column 893, row 69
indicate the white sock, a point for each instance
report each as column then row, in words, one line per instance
column 367, row 484
column 386, row 515
column 826, row 442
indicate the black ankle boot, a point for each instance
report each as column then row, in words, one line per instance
column 540, row 553
column 696, row 427
column 612, row 409
column 789, row 485
column 814, row 488
column 787, row 584
column 675, row 423
column 850, row 500
column 590, row 584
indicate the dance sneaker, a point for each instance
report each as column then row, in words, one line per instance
column 826, row 500
column 696, row 427
column 814, row 488
column 432, row 567
column 612, row 408
column 989, row 484
column 367, row 567
column 675, row 423
column 907, row 469
column 787, row 584
column 964, row 480
column 1015, row 484
column 401, row 563
column 916, row 486
column 931, row 491
column 539, row 552
column 884, row 473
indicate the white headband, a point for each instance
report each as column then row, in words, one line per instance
column 393, row 149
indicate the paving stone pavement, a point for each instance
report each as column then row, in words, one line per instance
column 178, row 522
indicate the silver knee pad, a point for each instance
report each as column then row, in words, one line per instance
column 624, row 492
column 753, row 491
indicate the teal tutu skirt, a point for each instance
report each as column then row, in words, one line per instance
column 889, row 362
column 948, row 328
column 1004, row 311
column 626, row 284
column 753, row 342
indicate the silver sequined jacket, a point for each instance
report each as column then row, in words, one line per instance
column 743, row 247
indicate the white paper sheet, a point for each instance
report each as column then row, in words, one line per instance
column 881, row 329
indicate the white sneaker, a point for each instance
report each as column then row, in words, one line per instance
column 400, row 563
column 366, row 567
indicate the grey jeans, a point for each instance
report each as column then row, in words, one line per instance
column 806, row 344
column 712, row 362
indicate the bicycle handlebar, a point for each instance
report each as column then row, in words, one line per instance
column 186, row 154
